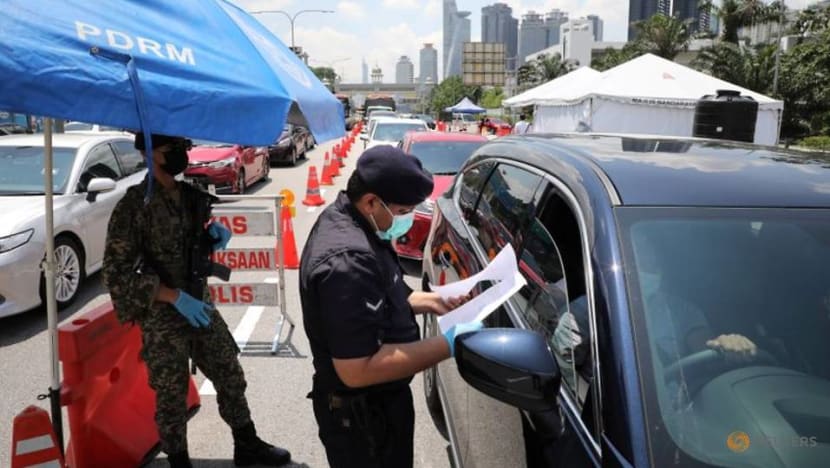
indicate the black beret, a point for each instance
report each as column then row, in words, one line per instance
column 394, row 176
column 157, row 139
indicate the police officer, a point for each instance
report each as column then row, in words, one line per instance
column 146, row 243
column 359, row 314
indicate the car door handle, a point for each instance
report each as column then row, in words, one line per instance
column 444, row 259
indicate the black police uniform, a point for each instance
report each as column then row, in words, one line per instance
column 354, row 300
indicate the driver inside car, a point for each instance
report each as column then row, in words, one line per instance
column 677, row 326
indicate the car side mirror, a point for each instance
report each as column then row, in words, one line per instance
column 511, row 365
column 364, row 137
column 98, row 185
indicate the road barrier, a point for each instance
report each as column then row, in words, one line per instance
column 278, row 253
column 105, row 388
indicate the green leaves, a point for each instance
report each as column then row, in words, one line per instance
column 543, row 69
column 450, row 91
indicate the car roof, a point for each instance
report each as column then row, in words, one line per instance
column 399, row 120
column 63, row 140
column 667, row 171
column 419, row 137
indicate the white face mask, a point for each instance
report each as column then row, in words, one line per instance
column 649, row 283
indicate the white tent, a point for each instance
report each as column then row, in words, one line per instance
column 558, row 89
column 647, row 95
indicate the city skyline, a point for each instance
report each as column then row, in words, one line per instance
column 383, row 30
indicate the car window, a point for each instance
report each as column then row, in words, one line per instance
column 505, row 209
column 395, row 131
column 470, row 186
column 21, row 169
column 130, row 158
column 100, row 162
column 444, row 157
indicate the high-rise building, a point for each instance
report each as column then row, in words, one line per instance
column 404, row 71
column 364, row 68
column 499, row 25
column 553, row 23
column 456, row 33
column 377, row 75
column 539, row 32
column 597, row 25
column 639, row 10
column 428, row 65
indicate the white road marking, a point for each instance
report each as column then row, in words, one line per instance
column 311, row 209
column 241, row 335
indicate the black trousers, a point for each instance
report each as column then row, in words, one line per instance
column 377, row 432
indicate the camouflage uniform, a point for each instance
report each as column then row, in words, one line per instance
column 168, row 339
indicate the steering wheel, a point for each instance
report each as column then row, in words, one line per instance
column 709, row 363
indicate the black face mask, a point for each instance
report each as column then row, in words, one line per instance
column 175, row 159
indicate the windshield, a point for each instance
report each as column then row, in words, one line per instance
column 732, row 316
column 394, row 131
column 212, row 144
column 21, row 169
column 444, row 157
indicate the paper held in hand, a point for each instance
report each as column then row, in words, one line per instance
column 502, row 271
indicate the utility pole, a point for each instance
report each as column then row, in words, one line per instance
column 778, row 48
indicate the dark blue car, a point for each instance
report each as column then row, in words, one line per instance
column 676, row 313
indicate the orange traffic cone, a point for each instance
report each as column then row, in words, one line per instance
column 334, row 167
column 33, row 440
column 312, row 194
column 289, row 244
column 326, row 177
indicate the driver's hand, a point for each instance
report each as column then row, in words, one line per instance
column 736, row 348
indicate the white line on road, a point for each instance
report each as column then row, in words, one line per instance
column 311, row 209
column 241, row 334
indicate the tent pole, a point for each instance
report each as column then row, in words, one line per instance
column 49, row 278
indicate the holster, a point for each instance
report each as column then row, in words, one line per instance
column 361, row 411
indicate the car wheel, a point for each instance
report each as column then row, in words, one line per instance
column 240, row 182
column 266, row 167
column 294, row 156
column 433, row 399
column 69, row 272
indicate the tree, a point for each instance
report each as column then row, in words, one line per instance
column 325, row 73
column 450, row 91
column 735, row 14
column 745, row 66
column 492, row 98
column 543, row 69
column 665, row 36
column 805, row 87
column 610, row 57
column 812, row 20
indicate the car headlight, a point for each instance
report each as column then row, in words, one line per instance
column 425, row 206
column 15, row 240
column 223, row 163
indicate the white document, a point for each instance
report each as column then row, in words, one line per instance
column 502, row 271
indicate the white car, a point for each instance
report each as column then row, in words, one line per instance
column 390, row 131
column 91, row 174
column 84, row 127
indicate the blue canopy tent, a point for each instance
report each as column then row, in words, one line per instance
column 196, row 68
column 465, row 106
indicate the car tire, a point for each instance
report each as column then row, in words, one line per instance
column 293, row 160
column 240, row 182
column 433, row 398
column 69, row 273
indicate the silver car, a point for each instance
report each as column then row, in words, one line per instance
column 91, row 174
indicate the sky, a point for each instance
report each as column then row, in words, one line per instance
column 382, row 30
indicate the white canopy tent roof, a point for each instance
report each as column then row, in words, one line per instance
column 564, row 88
column 646, row 95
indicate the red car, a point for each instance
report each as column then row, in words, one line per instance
column 442, row 154
column 227, row 166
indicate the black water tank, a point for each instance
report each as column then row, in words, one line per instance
column 727, row 116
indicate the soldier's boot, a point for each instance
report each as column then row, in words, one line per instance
column 248, row 449
column 179, row 460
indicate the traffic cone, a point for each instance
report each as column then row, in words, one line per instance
column 334, row 166
column 326, row 177
column 289, row 244
column 312, row 193
column 33, row 440
column 339, row 159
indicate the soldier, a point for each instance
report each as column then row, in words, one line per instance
column 359, row 315
column 146, row 269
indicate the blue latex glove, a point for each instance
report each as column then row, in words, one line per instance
column 195, row 311
column 460, row 329
column 220, row 234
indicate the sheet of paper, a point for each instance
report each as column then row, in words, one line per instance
column 498, row 269
column 507, row 281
